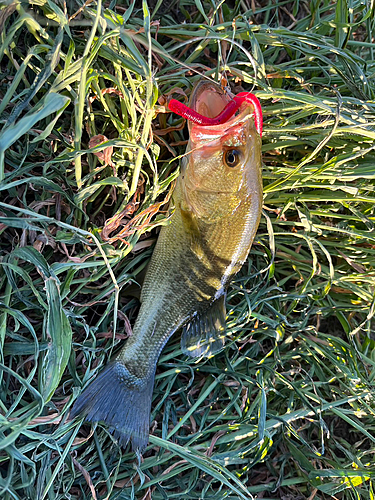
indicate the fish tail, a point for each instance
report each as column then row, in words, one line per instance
column 122, row 401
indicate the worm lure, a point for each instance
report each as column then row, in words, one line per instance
column 243, row 97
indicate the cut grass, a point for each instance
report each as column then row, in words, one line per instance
column 287, row 409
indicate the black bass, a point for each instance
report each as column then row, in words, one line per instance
column 218, row 201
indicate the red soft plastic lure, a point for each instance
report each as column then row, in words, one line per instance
column 229, row 110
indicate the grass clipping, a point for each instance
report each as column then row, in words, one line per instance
column 87, row 164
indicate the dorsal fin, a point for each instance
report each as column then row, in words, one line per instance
column 205, row 334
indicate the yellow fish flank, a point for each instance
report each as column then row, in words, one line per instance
column 218, row 201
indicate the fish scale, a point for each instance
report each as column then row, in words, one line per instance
column 217, row 209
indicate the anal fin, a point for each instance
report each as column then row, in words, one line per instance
column 205, row 334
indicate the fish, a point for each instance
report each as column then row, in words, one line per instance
column 217, row 204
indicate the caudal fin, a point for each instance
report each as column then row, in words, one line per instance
column 120, row 400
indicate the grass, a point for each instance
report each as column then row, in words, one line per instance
column 286, row 411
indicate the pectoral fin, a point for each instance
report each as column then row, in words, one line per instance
column 205, row 334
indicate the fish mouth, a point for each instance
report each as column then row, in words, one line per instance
column 209, row 99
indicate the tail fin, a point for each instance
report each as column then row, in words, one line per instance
column 122, row 401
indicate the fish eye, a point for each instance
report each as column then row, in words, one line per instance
column 232, row 157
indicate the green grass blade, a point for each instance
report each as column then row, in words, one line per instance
column 59, row 335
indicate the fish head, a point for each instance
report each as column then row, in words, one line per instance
column 222, row 165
